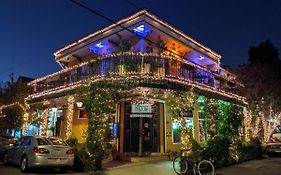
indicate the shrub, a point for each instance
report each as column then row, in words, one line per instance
column 251, row 150
column 80, row 154
column 217, row 149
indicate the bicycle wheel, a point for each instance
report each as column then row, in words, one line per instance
column 180, row 165
column 206, row 167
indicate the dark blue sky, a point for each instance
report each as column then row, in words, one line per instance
column 31, row 30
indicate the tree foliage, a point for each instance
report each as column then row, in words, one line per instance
column 11, row 92
column 12, row 118
column 262, row 77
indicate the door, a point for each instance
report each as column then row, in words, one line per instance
column 149, row 139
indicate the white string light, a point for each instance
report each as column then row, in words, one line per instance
column 193, row 42
column 69, row 116
column 74, row 85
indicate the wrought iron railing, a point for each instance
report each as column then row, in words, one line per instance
column 126, row 64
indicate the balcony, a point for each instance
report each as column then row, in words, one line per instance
column 142, row 65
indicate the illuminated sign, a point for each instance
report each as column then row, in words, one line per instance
column 141, row 108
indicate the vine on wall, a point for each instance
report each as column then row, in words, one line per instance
column 181, row 101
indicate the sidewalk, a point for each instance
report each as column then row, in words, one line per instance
column 142, row 168
column 270, row 166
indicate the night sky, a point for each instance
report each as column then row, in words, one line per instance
column 31, row 30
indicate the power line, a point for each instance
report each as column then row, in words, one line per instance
column 125, row 28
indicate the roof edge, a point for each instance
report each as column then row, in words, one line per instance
column 143, row 11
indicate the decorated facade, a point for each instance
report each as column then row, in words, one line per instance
column 166, row 86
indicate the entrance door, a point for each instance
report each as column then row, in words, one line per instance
column 149, row 140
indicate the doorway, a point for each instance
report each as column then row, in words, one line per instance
column 147, row 124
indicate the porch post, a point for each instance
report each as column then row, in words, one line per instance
column 69, row 116
column 44, row 122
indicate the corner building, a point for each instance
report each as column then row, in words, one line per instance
column 140, row 47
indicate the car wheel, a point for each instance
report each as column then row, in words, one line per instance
column 270, row 154
column 24, row 164
column 5, row 159
column 63, row 169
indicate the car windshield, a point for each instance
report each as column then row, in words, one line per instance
column 43, row 141
column 56, row 141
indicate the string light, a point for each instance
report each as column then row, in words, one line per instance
column 180, row 80
column 12, row 104
column 44, row 122
column 132, row 18
column 25, row 122
column 138, row 54
column 69, row 116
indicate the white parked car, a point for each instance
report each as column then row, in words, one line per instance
column 33, row 151
column 274, row 146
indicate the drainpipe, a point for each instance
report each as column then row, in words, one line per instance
column 140, row 136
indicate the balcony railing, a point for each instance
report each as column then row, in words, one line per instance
column 126, row 64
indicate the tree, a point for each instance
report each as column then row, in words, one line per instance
column 265, row 52
column 12, row 118
column 261, row 76
column 12, row 93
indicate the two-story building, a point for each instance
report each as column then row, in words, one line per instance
column 141, row 46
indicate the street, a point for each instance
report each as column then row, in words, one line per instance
column 256, row 167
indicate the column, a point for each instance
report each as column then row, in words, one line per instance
column 196, row 129
column 162, row 129
column 44, row 125
column 121, row 123
column 69, row 117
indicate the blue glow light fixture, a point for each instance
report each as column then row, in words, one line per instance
column 201, row 57
column 142, row 30
column 99, row 45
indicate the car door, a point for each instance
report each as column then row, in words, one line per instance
column 13, row 152
column 23, row 149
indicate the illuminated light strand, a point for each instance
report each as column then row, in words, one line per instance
column 267, row 129
column 203, row 48
column 25, row 123
column 141, row 54
column 247, row 120
column 69, row 116
column 44, row 123
column 12, row 104
column 140, row 76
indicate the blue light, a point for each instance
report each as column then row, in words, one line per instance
column 99, row 45
column 201, row 57
column 139, row 28
column 142, row 30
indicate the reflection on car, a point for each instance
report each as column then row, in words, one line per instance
column 38, row 151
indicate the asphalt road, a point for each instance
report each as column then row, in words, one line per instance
column 269, row 166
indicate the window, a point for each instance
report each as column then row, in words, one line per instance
column 43, row 141
column 202, row 128
column 176, row 125
column 56, row 141
column 83, row 114
column 18, row 143
column 26, row 141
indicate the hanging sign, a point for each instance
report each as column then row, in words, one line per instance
column 141, row 107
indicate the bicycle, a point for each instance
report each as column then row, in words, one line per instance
column 187, row 165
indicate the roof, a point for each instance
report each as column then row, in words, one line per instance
column 130, row 18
